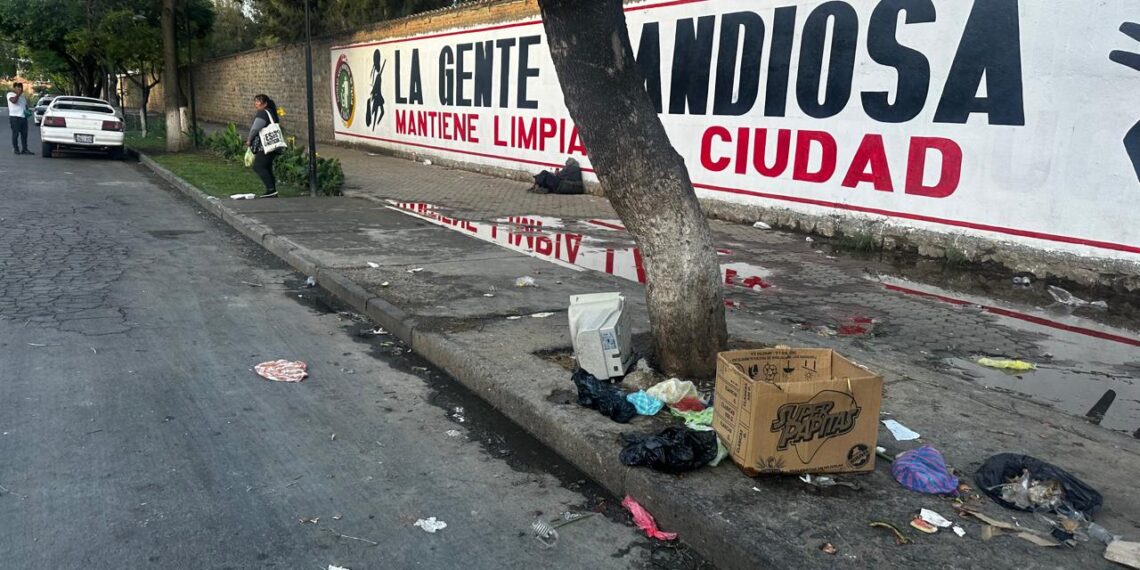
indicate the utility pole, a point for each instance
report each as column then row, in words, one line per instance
column 309, row 101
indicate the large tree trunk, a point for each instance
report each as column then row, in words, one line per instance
column 644, row 178
column 175, row 138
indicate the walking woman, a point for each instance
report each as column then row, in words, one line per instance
column 262, row 162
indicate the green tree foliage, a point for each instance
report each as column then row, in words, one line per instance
column 234, row 30
column 87, row 39
column 283, row 21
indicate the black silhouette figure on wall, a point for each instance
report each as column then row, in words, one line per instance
column 1130, row 59
column 374, row 111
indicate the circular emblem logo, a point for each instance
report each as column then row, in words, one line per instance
column 345, row 91
column 859, row 455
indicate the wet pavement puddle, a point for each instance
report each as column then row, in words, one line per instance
column 1084, row 367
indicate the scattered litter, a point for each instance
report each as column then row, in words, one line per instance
column 761, row 226
column 901, row 432
column 1021, row 281
column 365, row 540
column 994, row 527
column 310, row 520
column 544, row 533
column 603, row 396
column 1007, row 364
column 694, row 419
column 673, row 390
column 430, row 525
column 427, row 163
column 1029, row 484
column 923, row 470
column 721, row 448
column 419, row 369
column 527, row 281
column 824, row 481
column 36, row 344
column 385, row 284
column 378, row 331
column 675, row 450
column 1101, row 534
column 282, row 370
column 828, row 548
column 1126, row 553
column 332, row 567
column 337, row 517
column 644, row 520
column 646, row 405
column 415, row 270
column 243, row 196
column 922, row 526
column 688, row 404
column 332, row 438
column 373, row 265
column 252, row 284
column 900, row 538
column 310, row 281
column 961, row 532
column 1068, row 299
column 541, row 315
column 459, row 414
column 488, row 295
column 453, row 433
column 809, row 239
column 514, row 318
column 934, row 518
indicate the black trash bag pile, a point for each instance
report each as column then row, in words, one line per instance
column 1026, row 483
column 677, row 449
column 603, row 396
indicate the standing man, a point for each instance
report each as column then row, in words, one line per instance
column 18, row 118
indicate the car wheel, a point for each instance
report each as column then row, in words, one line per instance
column 47, row 150
column 117, row 153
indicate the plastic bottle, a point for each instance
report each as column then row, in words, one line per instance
column 1101, row 534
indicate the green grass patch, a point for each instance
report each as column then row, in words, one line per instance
column 217, row 176
column 857, row 242
column 155, row 141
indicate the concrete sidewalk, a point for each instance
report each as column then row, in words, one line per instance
column 473, row 235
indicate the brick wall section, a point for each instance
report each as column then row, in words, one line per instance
column 225, row 87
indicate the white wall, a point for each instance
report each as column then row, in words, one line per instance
column 996, row 118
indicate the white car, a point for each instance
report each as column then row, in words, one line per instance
column 81, row 123
column 41, row 107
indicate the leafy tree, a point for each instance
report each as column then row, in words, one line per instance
column 43, row 26
column 133, row 47
column 233, row 31
column 283, row 21
column 644, row 178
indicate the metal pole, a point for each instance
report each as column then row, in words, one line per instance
column 309, row 101
column 190, row 75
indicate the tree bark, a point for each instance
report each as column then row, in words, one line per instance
column 175, row 138
column 644, row 178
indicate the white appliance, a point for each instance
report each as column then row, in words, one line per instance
column 599, row 330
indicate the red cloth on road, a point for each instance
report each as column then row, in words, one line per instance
column 282, row 370
column 644, row 520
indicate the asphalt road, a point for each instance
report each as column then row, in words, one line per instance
column 134, row 433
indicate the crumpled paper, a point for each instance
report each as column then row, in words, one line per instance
column 430, row 525
column 282, row 370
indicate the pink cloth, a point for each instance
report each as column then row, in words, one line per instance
column 282, row 370
column 644, row 520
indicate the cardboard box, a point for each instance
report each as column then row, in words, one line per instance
column 797, row 410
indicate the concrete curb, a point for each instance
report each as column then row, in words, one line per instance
column 711, row 538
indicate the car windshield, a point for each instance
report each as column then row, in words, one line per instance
column 83, row 107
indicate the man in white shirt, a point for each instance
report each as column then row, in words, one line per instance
column 17, row 118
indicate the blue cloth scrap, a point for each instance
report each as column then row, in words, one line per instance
column 646, row 405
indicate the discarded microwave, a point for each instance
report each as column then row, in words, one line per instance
column 599, row 330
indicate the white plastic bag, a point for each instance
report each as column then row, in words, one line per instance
column 272, row 139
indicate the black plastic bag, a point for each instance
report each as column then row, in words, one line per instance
column 675, row 450
column 603, row 396
column 997, row 471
